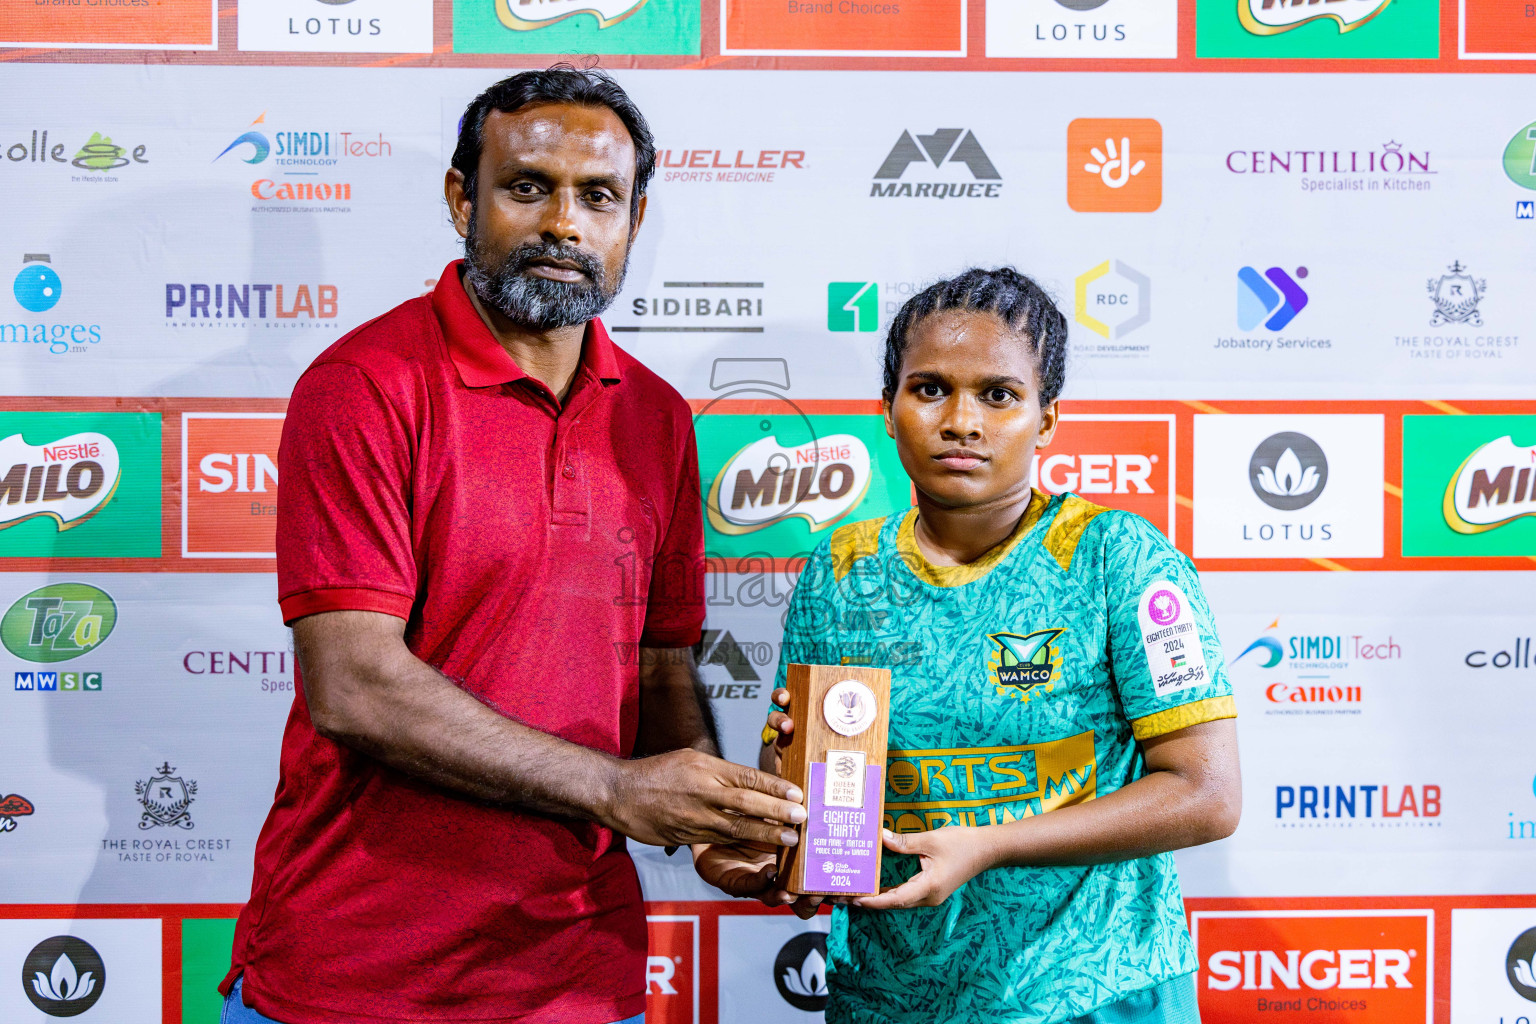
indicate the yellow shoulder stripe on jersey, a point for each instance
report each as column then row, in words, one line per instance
column 958, row 575
column 853, row 542
column 1182, row 717
column 1068, row 527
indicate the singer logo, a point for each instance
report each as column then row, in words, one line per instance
column 229, row 484
column 1360, row 966
column 1121, row 461
column 672, row 970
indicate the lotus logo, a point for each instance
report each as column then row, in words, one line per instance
column 58, row 622
column 70, row 479
column 1288, row 471
column 1271, row 17
column 1520, row 964
column 1492, row 487
column 64, row 976
column 766, row 482
column 800, row 971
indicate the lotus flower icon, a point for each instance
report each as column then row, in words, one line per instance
column 1288, row 471
column 1287, row 478
column 1525, row 972
column 810, row 979
column 63, row 984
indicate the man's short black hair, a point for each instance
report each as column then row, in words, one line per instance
column 562, row 83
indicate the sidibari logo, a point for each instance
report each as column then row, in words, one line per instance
column 1271, row 17
column 59, row 622
column 1288, row 471
column 766, row 482
column 800, row 972
column 70, row 479
column 63, row 976
column 946, row 146
column 1272, row 299
column 1019, row 665
column 1492, row 488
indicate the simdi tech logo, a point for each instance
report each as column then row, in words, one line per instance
column 1082, row 28
column 1313, row 667
column 576, row 26
column 1115, row 165
column 336, row 26
column 79, row 484
column 1469, row 485
column 1310, row 28
column 311, row 162
column 939, row 157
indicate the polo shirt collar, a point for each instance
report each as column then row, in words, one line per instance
column 479, row 357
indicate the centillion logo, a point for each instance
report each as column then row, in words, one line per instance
column 1020, row 666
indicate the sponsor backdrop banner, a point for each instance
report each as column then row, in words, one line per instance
column 1300, row 347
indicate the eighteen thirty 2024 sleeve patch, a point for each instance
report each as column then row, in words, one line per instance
column 1175, row 657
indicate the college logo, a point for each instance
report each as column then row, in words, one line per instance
column 63, row 976
column 945, row 148
column 165, row 799
column 1112, row 300
column 1271, row 17
column 37, row 286
column 1376, row 966
column 12, row 807
column 1017, row 665
column 1456, row 296
column 229, row 484
column 853, row 306
column 689, row 166
column 698, row 307
column 1517, row 655
column 59, row 622
column 1283, row 479
column 800, row 972
column 69, row 480
column 1114, row 165
column 99, row 154
column 1520, row 157
column 1272, row 299
column 365, row 26
column 1468, row 485
column 1121, row 460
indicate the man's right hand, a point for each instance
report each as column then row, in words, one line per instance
column 685, row 797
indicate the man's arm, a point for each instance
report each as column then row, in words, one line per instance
column 674, row 706
column 365, row 689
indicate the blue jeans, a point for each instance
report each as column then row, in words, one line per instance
column 236, row 1012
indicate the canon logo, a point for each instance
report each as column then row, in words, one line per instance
column 1095, row 474
column 1319, row 969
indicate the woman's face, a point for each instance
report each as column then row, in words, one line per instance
column 966, row 412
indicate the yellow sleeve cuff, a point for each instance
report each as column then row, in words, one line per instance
column 769, row 734
column 1182, row 717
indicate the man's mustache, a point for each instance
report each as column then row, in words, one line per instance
column 519, row 260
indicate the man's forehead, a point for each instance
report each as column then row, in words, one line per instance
column 589, row 133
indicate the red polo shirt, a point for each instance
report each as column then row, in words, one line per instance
column 425, row 476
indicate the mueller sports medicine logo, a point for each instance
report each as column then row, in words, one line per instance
column 693, row 166
column 1387, row 168
column 765, row 482
column 1492, row 488
column 943, row 151
column 1363, row 966
column 1021, row 665
column 238, row 305
column 1271, row 17
column 68, row 480
column 63, row 976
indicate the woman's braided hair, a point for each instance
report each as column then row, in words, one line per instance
column 1007, row 294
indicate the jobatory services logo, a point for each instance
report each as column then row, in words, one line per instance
column 576, row 26
column 1113, row 300
column 800, row 972
column 37, row 289
column 79, row 484
column 1120, row 460
column 1306, row 668
column 1468, row 485
column 853, row 306
column 1357, row 805
column 98, row 158
column 270, row 306
column 229, row 484
column 1114, row 165
column 1272, row 299
column 723, row 166
column 939, row 156
column 694, row 307
column 1365, row 966
column 1339, row 29
column 1082, row 28
column 64, row 976
column 1024, row 665
column 13, row 806
column 336, row 26
column 1276, row 486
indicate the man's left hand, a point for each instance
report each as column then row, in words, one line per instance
column 948, row 857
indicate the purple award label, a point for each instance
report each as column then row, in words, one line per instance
column 840, row 843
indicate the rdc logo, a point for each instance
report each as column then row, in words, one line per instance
column 37, row 287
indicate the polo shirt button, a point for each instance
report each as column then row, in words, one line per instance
column 570, row 470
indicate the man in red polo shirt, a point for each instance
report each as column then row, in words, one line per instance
column 490, row 549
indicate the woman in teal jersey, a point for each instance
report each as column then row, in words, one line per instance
column 1047, row 655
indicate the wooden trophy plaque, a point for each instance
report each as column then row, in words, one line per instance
column 836, row 756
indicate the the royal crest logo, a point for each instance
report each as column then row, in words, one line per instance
column 12, row 807
column 165, row 798
column 1271, row 17
column 1492, row 487
column 1022, row 665
column 531, row 14
column 70, row 479
column 765, row 482
column 1456, row 296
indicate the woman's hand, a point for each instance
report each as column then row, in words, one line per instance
column 948, row 857
column 772, row 754
column 740, row 869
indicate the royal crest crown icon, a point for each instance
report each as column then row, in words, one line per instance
column 1456, row 296
column 165, row 798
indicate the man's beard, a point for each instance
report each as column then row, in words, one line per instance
column 538, row 303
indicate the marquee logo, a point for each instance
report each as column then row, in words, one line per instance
column 1271, row 17
column 59, row 622
column 945, row 147
column 64, row 976
column 766, row 482
column 69, row 480
column 1272, row 299
column 1115, row 165
column 1018, row 666
column 1492, row 487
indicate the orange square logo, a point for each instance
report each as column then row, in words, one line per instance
column 1123, row 462
column 672, row 969
column 229, row 484
column 1114, row 165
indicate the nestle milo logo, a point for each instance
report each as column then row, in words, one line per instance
column 820, row 481
column 70, row 479
column 58, row 622
column 1492, row 487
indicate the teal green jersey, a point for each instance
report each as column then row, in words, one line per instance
column 1020, row 683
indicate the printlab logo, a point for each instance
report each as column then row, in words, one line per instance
column 1520, row 964
column 1456, row 296
column 236, row 305
column 1122, row 298
column 944, row 148
column 853, row 306
column 12, row 807
column 1271, row 17
column 37, row 287
column 1272, row 299
column 64, row 976
column 1288, row 471
column 165, row 798
column 1114, row 165
column 800, row 972
column 1020, row 665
